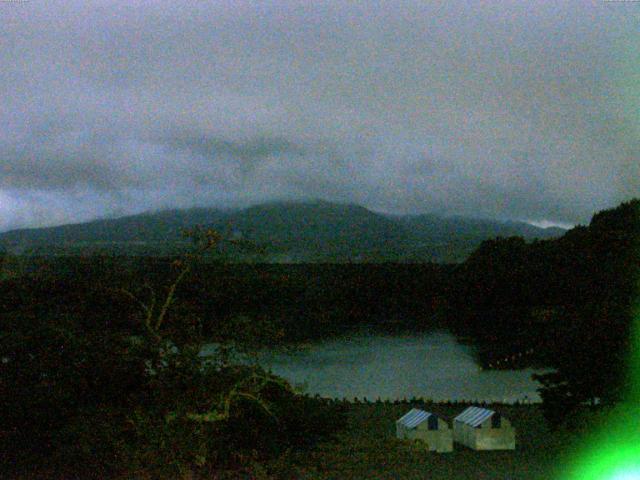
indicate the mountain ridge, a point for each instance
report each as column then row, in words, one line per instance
column 295, row 231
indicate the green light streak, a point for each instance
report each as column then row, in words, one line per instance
column 631, row 475
column 613, row 453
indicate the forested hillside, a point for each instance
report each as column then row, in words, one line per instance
column 284, row 232
column 566, row 303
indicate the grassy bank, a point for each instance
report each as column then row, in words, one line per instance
column 368, row 449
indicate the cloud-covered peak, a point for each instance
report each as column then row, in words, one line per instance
column 507, row 109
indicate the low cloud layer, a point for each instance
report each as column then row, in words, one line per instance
column 506, row 109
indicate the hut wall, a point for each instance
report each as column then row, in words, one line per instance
column 485, row 437
column 464, row 434
column 440, row 440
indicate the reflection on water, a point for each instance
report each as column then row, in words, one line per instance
column 430, row 366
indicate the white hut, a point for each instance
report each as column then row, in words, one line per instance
column 426, row 427
column 483, row 429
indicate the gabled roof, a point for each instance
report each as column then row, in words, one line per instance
column 414, row 417
column 474, row 416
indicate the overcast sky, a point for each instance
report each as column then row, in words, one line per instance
column 509, row 109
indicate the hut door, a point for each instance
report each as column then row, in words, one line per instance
column 432, row 422
column 496, row 420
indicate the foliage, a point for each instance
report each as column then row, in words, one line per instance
column 128, row 388
column 566, row 300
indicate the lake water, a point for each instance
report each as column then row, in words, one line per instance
column 433, row 366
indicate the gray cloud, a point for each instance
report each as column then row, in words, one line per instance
column 507, row 109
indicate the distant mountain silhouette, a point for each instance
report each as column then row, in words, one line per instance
column 287, row 231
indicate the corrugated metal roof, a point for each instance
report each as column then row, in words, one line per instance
column 414, row 417
column 474, row 416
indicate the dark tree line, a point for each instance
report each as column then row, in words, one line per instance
column 101, row 376
column 570, row 299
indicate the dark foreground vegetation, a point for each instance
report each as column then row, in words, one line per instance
column 100, row 372
column 367, row 448
column 569, row 300
column 93, row 387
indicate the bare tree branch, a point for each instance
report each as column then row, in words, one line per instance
column 169, row 299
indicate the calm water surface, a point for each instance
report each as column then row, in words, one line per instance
column 432, row 366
